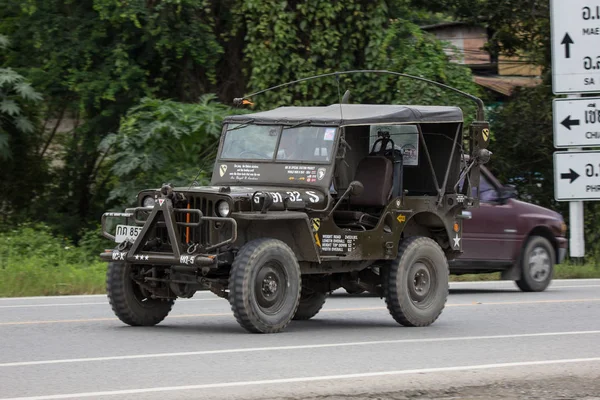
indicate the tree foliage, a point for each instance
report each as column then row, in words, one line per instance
column 162, row 141
column 17, row 99
column 93, row 60
column 291, row 40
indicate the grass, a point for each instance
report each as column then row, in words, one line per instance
column 31, row 278
column 34, row 262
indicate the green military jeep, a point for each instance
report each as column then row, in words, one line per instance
column 303, row 201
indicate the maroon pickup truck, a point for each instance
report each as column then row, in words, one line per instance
column 522, row 240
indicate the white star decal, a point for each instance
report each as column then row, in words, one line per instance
column 137, row 257
column 456, row 241
column 146, row 258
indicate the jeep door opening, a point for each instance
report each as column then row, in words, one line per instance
column 303, row 201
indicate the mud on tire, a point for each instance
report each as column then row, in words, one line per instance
column 264, row 286
column 415, row 284
column 129, row 302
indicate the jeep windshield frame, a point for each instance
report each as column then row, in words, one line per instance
column 298, row 143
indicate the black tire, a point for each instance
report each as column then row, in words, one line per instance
column 128, row 300
column 310, row 304
column 264, row 286
column 537, row 265
column 415, row 284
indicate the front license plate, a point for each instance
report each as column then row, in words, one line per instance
column 127, row 232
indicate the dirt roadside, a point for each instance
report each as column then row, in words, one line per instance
column 547, row 389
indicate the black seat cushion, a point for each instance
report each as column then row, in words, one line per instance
column 375, row 173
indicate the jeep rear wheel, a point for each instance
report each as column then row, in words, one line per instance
column 311, row 303
column 537, row 265
column 130, row 303
column 415, row 284
column 264, row 286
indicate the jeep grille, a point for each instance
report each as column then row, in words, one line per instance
column 201, row 234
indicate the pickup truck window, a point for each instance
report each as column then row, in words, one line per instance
column 487, row 191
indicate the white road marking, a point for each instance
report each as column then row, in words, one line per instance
column 297, row 347
column 86, row 304
column 81, row 297
column 507, row 282
column 571, row 286
column 75, row 296
column 306, row 379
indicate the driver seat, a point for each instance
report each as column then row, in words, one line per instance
column 375, row 173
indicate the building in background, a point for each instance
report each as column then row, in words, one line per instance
column 500, row 75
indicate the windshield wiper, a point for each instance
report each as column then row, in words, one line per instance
column 243, row 125
column 308, row 121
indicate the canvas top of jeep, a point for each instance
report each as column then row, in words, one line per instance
column 297, row 146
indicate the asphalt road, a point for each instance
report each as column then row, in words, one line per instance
column 490, row 334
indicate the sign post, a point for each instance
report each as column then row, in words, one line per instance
column 575, row 33
column 576, row 122
column 575, row 26
column 577, row 175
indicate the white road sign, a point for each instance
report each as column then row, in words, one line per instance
column 576, row 122
column 577, row 175
column 575, row 28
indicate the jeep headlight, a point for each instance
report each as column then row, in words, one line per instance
column 148, row 201
column 223, row 208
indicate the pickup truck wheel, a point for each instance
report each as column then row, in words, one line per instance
column 264, row 286
column 415, row 284
column 130, row 303
column 311, row 303
column 537, row 265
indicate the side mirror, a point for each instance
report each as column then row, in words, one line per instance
column 356, row 188
column 507, row 192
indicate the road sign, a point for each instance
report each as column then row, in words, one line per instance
column 576, row 122
column 575, row 26
column 577, row 175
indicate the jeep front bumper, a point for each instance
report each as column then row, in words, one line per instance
column 163, row 215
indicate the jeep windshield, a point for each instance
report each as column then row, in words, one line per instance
column 278, row 143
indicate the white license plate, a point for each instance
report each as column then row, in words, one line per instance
column 127, row 232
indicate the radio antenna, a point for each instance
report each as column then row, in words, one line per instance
column 475, row 99
column 337, row 79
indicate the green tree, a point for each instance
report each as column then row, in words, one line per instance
column 183, row 138
column 17, row 98
column 93, row 60
column 290, row 40
column 19, row 131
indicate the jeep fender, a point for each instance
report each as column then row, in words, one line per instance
column 292, row 228
column 430, row 225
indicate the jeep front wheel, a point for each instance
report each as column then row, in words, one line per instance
column 264, row 286
column 130, row 303
column 415, row 284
